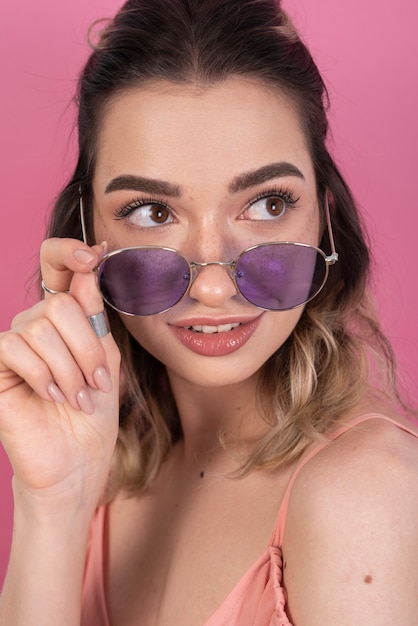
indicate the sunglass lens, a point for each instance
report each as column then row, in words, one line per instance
column 280, row 276
column 144, row 281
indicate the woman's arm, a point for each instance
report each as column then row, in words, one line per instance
column 60, row 450
column 44, row 579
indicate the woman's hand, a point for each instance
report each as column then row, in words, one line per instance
column 59, row 397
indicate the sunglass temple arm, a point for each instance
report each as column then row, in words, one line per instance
column 333, row 257
column 82, row 218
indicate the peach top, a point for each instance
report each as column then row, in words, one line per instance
column 258, row 599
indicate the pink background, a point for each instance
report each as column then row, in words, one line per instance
column 368, row 54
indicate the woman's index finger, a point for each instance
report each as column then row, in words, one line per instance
column 60, row 258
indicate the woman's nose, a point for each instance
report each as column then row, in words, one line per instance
column 212, row 285
column 211, row 248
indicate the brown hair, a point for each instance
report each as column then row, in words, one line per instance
column 321, row 370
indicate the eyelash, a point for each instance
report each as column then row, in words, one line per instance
column 285, row 193
column 126, row 209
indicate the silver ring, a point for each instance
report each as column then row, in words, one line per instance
column 99, row 324
column 48, row 290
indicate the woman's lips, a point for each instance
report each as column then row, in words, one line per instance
column 209, row 339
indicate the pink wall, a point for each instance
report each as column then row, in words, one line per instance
column 368, row 54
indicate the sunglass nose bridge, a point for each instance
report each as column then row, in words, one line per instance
column 230, row 265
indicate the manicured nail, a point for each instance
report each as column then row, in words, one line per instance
column 102, row 380
column 85, row 402
column 84, row 256
column 55, row 393
column 105, row 246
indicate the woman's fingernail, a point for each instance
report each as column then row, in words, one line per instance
column 84, row 256
column 102, row 380
column 55, row 393
column 105, row 246
column 85, row 402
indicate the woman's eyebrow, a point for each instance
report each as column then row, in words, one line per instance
column 239, row 183
column 263, row 174
column 140, row 183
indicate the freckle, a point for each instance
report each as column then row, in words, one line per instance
column 368, row 579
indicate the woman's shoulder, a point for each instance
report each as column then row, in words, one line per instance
column 351, row 526
column 367, row 471
column 372, row 435
column 375, row 446
column 373, row 439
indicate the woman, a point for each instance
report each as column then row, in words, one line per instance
column 231, row 471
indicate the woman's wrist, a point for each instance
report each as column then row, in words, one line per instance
column 45, row 575
column 57, row 506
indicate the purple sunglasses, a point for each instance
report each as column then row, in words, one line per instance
column 275, row 276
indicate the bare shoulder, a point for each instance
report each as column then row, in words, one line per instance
column 351, row 532
column 361, row 458
column 375, row 444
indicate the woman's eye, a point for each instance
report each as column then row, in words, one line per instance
column 266, row 208
column 149, row 215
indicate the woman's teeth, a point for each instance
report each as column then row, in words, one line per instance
column 209, row 330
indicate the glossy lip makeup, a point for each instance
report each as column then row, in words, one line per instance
column 219, row 343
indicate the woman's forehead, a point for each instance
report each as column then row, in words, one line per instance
column 238, row 124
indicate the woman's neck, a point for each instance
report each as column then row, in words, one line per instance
column 206, row 413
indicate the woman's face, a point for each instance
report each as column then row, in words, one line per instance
column 202, row 170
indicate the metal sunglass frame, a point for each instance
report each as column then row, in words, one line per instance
column 230, row 265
